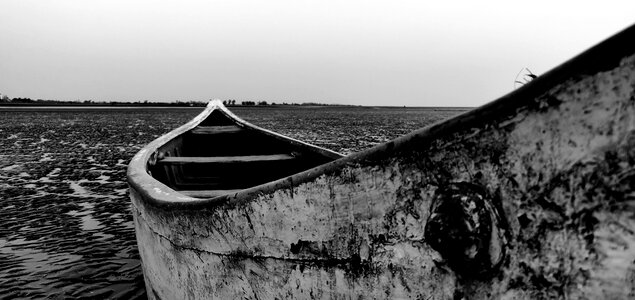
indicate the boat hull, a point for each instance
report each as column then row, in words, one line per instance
column 553, row 165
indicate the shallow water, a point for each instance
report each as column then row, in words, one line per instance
column 65, row 225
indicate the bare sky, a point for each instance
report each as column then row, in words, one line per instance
column 415, row 53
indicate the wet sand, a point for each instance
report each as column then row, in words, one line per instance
column 65, row 226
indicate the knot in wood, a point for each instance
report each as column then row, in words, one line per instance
column 464, row 227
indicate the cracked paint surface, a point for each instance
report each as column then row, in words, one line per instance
column 562, row 167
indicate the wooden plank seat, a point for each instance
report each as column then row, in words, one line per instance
column 216, row 129
column 207, row 193
column 224, row 159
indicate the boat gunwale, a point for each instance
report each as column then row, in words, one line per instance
column 605, row 55
column 139, row 178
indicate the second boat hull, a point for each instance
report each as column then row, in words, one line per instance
column 547, row 173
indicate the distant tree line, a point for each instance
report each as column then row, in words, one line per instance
column 250, row 103
column 47, row 102
column 5, row 100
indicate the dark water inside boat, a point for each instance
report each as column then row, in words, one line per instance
column 65, row 226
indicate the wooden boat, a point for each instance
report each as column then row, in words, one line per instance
column 530, row 196
column 218, row 153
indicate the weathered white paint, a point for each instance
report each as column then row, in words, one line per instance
column 562, row 165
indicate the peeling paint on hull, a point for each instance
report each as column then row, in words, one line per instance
column 558, row 157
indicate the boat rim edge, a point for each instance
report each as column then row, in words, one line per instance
column 603, row 56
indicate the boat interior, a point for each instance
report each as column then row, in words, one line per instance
column 222, row 155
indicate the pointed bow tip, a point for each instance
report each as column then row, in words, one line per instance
column 215, row 103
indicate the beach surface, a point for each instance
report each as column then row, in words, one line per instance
column 65, row 226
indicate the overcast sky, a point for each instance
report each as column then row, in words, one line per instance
column 415, row 53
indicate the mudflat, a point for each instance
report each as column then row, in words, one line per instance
column 65, row 225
